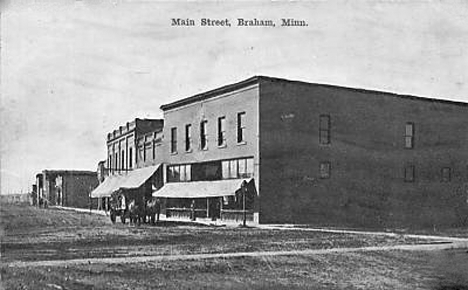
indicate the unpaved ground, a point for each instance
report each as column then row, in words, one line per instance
column 55, row 235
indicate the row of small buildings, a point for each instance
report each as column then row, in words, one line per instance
column 306, row 153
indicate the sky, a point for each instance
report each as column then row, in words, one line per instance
column 72, row 71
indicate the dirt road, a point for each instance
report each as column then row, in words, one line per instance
column 58, row 249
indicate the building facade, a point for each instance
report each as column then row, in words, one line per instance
column 319, row 154
column 69, row 188
column 134, row 160
column 123, row 151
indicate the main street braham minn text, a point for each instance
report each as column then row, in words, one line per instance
column 240, row 22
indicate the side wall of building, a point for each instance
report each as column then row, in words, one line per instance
column 76, row 189
column 367, row 156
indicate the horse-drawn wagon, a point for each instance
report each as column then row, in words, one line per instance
column 133, row 205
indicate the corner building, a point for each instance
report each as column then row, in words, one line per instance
column 319, row 154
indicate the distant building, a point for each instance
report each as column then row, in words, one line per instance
column 17, row 198
column 69, row 188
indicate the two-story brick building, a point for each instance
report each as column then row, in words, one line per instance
column 133, row 159
column 318, row 154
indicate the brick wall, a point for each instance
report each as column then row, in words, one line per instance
column 367, row 155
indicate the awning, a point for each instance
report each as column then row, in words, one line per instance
column 199, row 189
column 129, row 180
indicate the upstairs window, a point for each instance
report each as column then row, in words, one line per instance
column 324, row 129
column 409, row 135
column 123, row 159
column 446, row 173
column 221, row 131
column 130, row 158
column 409, row 173
column 188, row 137
column 241, row 127
column 325, row 170
column 204, row 135
column 173, row 140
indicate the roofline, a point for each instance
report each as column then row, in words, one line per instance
column 65, row 171
column 257, row 79
column 368, row 91
column 212, row 93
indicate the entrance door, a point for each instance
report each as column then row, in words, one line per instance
column 214, row 208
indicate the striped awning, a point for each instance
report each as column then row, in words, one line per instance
column 129, row 180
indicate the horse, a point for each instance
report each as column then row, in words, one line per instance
column 153, row 209
column 136, row 212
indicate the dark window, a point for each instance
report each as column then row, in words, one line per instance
column 173, row 140
column 241, row 127
column 325, row 170
column 203, row 135
column 446, row 174
column 123, row 159
column 221, row 131
column 324, row 129
column 154, row 149
column 409, row 135
column 110, row 163
column 188, row 137
column 130, row 158
column 116, row 161
column 409, row 173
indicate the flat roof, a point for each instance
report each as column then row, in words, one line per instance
column 256, row 79
column 67, row 171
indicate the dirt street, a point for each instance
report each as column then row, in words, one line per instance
column 112, row 256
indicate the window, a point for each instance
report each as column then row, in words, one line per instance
column 122, row 156
column 116, row 161
column 173, row 140
column 110, row 163
column 324, row 129
column 188, row 137
column 325, row 170
column 130, row 156
column 409, row 173
column 241, row 127
column 177, row 173
column 221, row 131
column 203, row 135
column 409, row 135
column 144, row 151
column 154, row 149
column 446, row 174
column 237, row 168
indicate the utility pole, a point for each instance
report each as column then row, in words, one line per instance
column 244, row 214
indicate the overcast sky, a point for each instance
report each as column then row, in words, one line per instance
column 71, row 71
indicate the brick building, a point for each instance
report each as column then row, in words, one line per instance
column 318, row 154
column 133, row 159
column 70, row 188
